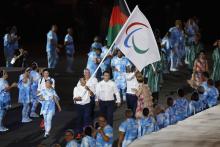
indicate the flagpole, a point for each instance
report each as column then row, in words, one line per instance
column 127, row 6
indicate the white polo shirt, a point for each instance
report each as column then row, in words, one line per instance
column 105, row 91
column 91, row 83
column 131, row 82
column 79, row 91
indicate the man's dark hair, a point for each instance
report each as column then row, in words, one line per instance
column 201, row 90
column 128, row 113
column 146, row 112
column 88, row 131
column 205, row 74
column 34, row 65
column 180, row 92
column 169, row 101
column 195, row 96
column 46, row 69
column 103, row 116
column 106, row 72
column 210, row 82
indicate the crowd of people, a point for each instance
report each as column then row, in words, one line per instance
column 115, row 83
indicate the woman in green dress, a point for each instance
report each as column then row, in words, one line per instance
column 154, row 77
column 216, row 59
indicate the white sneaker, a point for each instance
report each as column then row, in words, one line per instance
column 33, row 114
column 124, row 98
column 186, row 62
column 173, row 69
column 26, row 120
column 46, row 135
column 3, row 129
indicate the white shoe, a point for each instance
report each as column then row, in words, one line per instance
column 26, row 120
column 124, row 98
column 33, row 114
column 3, row 129
column 186, row 62
column 173, row 69
column 46, row 135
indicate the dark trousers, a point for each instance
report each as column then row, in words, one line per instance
column 83, row 117
column 107, row 109
column 131, row 100
column 92, row 104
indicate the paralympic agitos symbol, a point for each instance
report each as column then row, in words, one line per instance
column 138, row 50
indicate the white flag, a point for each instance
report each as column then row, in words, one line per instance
column 136, row 40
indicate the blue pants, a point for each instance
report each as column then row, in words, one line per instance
column 69, row 59
column 107, row 108
column 8, row 53
column 122, row 93
column 52, row 58
column 173, row 59
column 2, row 114
column 34, row 105
column 25, row 110
column 84, row 116
column 131, row 102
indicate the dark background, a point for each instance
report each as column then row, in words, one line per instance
column 33, row 19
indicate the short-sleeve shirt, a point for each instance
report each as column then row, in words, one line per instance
column 88, row 141
column 130, row 128
column 181, row 108
column 100, row 141
column 161, row 120
column 170, row 116
column 147, row 125
column 72, row 143
column 119, row 76
column 70, row 47
column 212, row 96
column 50, row 44
column 48, row 104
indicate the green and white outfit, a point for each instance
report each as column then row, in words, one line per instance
column 216, row 65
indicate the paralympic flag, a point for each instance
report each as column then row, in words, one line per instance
column 136, row 40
